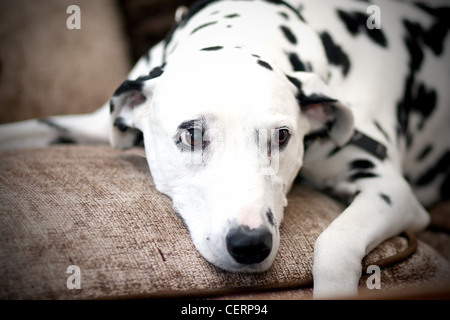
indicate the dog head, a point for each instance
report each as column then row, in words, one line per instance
column 224, row 140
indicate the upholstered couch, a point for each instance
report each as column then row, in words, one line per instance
column 96, row 208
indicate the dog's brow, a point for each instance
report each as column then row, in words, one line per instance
column 192, row 123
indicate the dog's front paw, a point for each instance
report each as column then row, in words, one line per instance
column 337, row 267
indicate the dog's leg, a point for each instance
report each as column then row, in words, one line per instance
column 383, row 207
column 84, row 129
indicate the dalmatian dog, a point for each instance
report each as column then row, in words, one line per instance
column 242, row 94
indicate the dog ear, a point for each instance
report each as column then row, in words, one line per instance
column 325, row 113
column 129, row 103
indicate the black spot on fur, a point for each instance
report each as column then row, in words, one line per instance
column 284, row 15
column 203, row 26
column 128, row 85
column 216, row 48
column 424, row 153
column 295, row 82
column 414, row 43
column 404, row 106
column 407, row 178
column 305, row 100
column 231, row 16
column 424, row 103
column 119, row 123
column 386, row 198
column 335, row 54
column 441, row 167
column 270, row 217
column 380, row 128
column 334, row 151
column 287, row 5
column 348, row 199
column 296, row 63
column 265, row 64
column 136, row 85
column 155, row 73
column 63, row 140
column 288, row 34
column 356, row 22
column 414, row 48
column 314, row 98
column 139, row 139
column 147, row 56
column 196, row 8
column 361, row 164
column 362, row 175
column 417, row 97
column 361, row 169
column 311, row 137
column 434, row 38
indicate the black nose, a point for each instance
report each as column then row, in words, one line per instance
column 249, row 246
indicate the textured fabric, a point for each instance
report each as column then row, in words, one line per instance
column 97, row 208
column 47, row 69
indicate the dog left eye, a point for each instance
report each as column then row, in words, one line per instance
column 282, row 137
column 192, row 138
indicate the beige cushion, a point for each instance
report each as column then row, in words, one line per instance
column 47, row 69
column 97, row 208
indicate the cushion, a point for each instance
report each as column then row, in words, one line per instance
column 47, row 69
column 97, row 208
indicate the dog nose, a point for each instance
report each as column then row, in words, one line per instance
column 249, row 246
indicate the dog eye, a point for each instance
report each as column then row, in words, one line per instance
column 192, row 138
column 282, row 137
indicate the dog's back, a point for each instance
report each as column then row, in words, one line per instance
column 390, row 62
